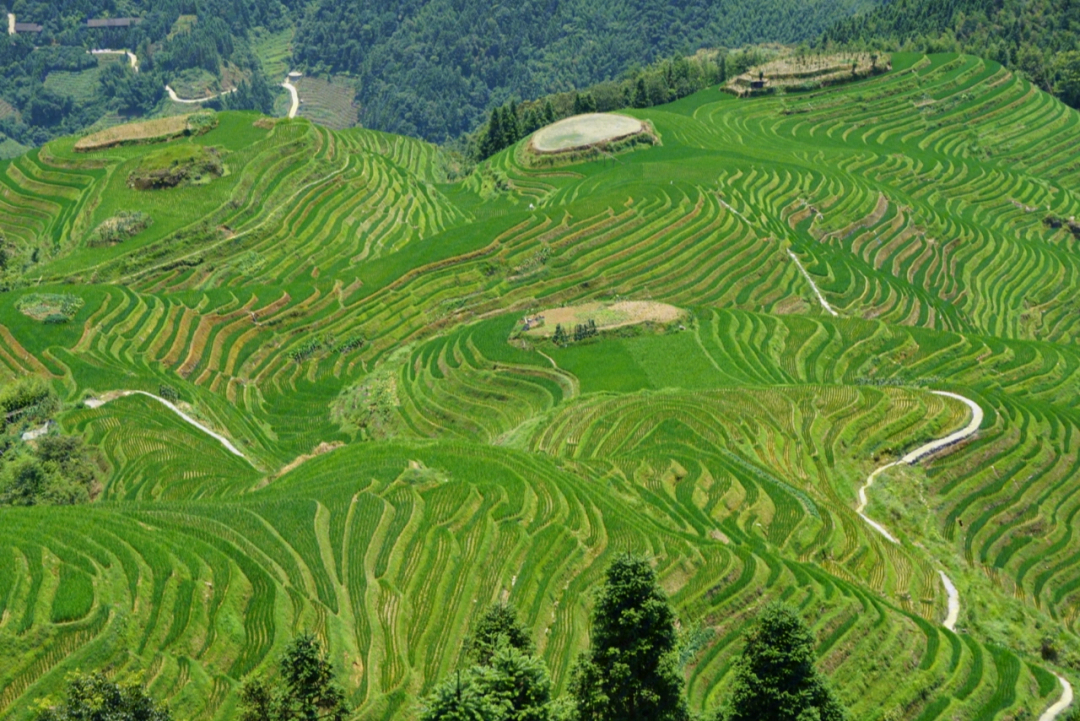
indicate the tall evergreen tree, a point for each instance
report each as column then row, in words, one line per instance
column 630, row 671
column 775, row 677
column 507, row 684
column 305, row 691
column 584, row 103
column 459, row 699
column 549, row 113
column 499, row 626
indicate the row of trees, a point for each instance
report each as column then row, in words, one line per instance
column 630, row 671
column 662, row 82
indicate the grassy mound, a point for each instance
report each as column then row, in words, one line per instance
column 176, row 166
column 120, row 227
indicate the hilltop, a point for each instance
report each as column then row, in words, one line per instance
column 820, row 346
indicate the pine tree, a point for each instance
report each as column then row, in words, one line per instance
column 492, row 140
column 549, row 113
column 512, row 124
column 459, row 699
column 641, row 94
column 517, row 684
column 775, row 677
column 305, row 690
column 498, row 626
column 630, row 671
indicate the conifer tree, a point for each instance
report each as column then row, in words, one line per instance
column 775, row 677
column 499, row 626
column 549, row 113
column 305, row 690
column 630, row 671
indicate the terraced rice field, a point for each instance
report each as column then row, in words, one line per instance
column 731, row 451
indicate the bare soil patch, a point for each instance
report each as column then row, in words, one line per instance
column 148, row 131
column 606, row 316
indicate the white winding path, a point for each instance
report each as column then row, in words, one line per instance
column 97, row 403
column 177, row 99
column 133, row 59
column 824, row 304
column 1063, row 703
column 295, row 98
column 954, row 602
column 919, row 453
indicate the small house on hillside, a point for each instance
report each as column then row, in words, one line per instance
column 28, row 28
column 112, row 22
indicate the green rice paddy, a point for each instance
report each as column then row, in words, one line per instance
column 730, row 451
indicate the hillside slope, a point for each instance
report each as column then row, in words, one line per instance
column 434, row 68
column 343, row 315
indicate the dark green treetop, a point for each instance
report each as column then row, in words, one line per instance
column 630, row 671
column 306, row 690
column 95, row 698
column 775, row 677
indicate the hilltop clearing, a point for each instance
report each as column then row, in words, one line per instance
column 601, row 316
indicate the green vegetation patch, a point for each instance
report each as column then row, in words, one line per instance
column 176, row 166
column 370, row 407
column 120, row 227
column 49, row 307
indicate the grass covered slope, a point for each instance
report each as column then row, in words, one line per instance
column 352, row 322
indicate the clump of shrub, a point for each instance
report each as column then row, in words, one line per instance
column 369, row 408
column 169, row 393
column 50, row 307
column 126, row 224
column 25, row 400
column 177, row 166
column 1055, row 222
column 51, row 469
column 200, row 123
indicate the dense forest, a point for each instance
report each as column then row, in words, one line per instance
column 217, row 39
column 1040, row 38
column 436, row 68
column 432, row 68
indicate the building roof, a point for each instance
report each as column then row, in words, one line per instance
column 28, row 28
column 112, row 22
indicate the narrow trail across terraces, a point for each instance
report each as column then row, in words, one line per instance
column 133, row 59
column 191, row 101
column 821, row 299
column 951, row 592
column 295, row 108
column 98, row 402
